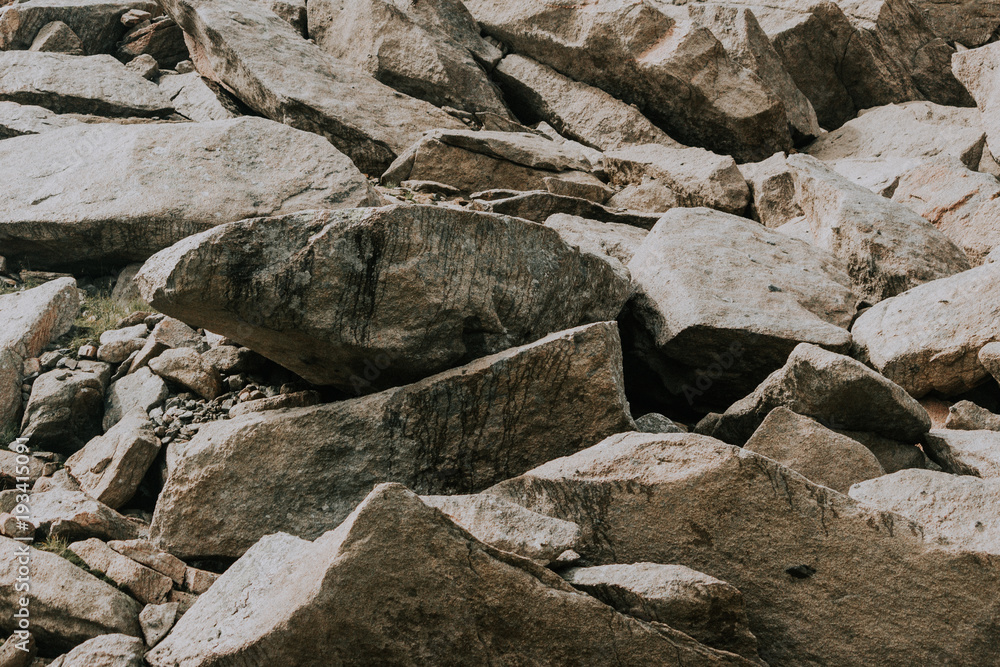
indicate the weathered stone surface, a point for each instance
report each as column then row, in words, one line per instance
column 107, row 650
column 57, row 37
column 772, row 191
column 110, row 467
column 967, row 416
column 734, row 303
column 186, row 367
column 913, row 130
column 976, row 69
column 20, row 119
column 68, row 606
column 96, row 22
column 73, row 515
column 163, row 40
column 540, row 206
column 74, row 206
column 887, row 247
column 18, row 651
column 145, row 553
column 198, row 581
column 701, row 606
column 141, row 390
column 974, row 453
column 794, row 549
column 470, row 160
column 383, row 306
column 343, row 596
column 298, row 399
column 508, row 526
column 606, row 238
column 10, row 469
column 832, row 389
column 880, row 175
column 66, row 407
column 813, row 451
column 64, row 83
column 956, row 316
column 251, row 51
column 969, row 22
column 677, row 74
column 961, row 203
column 146, row 585
column 694, row 176
column 581, row 112
column 892, row 455
column 653, row 422
column 450, row 433
column 957, row 510
column 196, row 98
column 393, row 42
column 29, row 320
column 157, row 620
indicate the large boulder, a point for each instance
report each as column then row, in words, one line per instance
column 399, row 580
column 721, row 301
column 89, row 84
column 976, row 69
column 29, row 320
column 113, row 650
column 887, row 247
column 67, row 514
column 252, row 51
column 971, row 23
column 96, row 22
column 68, row 606
column 372, row 298
column 826, row 580
column 117, row 194
column 967, row 416
column 832, row 389
column 957, row 317
column 456, row 432
column 677, row 73
column 66, row 406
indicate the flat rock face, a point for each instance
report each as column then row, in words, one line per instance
column 953, row 510
column 814, row 451
column 29, row 320
column 676, row 73
column 957, row 317
column 197, row 98
column 669, row 499
column 259, row 56
column 736, row 297
column 19, row 119
column 975, row 453
column 392, row 295
column 110, row 650
column 310, row 603
column 120, row 193
column 457, row 432
column 612, row 239
column 68, row 605
column 91, row 85
column 832, row 389
column 96, row 22
column 65, row 406
column 976, row 69
column 887, row 247
column 143, row 583
column 65, row 514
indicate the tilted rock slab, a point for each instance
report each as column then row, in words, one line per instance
column 400, row 581
column 975, row 453
column 273, row 70
column 457, row 432
column 373, row 298
column 18, row 119
column 929, row 337
column 967, row 416
column 677, row 74
column 814, row 566
column 116, row 194
column 96, row 22
column 722, row 295
column 114, row 650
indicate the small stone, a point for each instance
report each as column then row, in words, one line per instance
column 198, row 581
column 156, row 621
column 145, row 66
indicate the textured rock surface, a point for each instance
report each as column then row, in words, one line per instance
column 967, row 416
column 73, row 515
column 438, row 436
column 144, row 584
column 974, row 453
column 141, row 390
column 96, row 22
column 392, row 297
column 310, row 603
column 976, row 69
column 612, row 239
column 65, row 407
column 196, row 98
column 20, row 119
column 110, row 650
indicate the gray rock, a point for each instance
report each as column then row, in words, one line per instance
column 540, row 206
column 880, row 175
column 957, row 317
column 772, row 191
column 361, row 323
column 715, row 319
column 441, row 435
column 185, row 367
column 107, row 650
column 989, row 357
column 145, row 66
column 146, row 585
column 66, row 407
column 612, row 239
column 653, row 422
column 813, row 451
column 707, row 609
column 10, row 469
column 73, row 515
column 832, row 389
column 175, row 187
column 157, row 620
column 162, row 40
column 141, row 389
column 145, row 553
column 892, row 455
column 57, row 37
column 96, row 22
column 969, row 22
column 251, row 51
column 975, row 68
column 967, row 416
column 20, row 119
column 974, row 453
column 196, row 98
column 461, row 589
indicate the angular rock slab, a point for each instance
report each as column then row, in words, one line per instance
column 108, row 650
column 29, row 320
column 967, row 416
column 269, row 66
column 975, row 453
column 67, row 514
column 977, row 70
column 68, row 606
column 143, row 583
column 19, row 119
column 457, row 432
column 832, row 389
column 78, row 84
column 956, row 510
column 813, row 565
column 96, row 22
column 724, row 295
column 969, row 22
column 399, row 580
column 957, row 316
column 373, row 298
column 66, row 406
column 116, row 194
